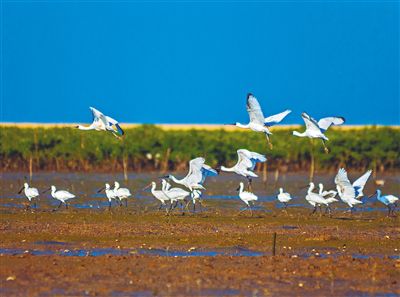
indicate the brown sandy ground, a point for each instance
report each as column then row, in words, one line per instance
column 287, row 274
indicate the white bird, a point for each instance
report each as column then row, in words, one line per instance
column 198, row 171
column 258, row 122
column 102, row 122
column 315, row 199
column 247, row 197
column 110, row 194
column 246, row 163
column 316, row 129
column 121, row 193
column 176, row 195
column 30, row 193
column 284, row 197
column 159, row 194
column 389, row 200
column 196, row 196
column 60, row 195
column 327, row 194
column 347, row 192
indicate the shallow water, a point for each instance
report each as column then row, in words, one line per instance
column 221, row 190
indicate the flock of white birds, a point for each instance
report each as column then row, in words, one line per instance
column 170, row 197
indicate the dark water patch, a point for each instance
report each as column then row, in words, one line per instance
column 131, row 294
column 370, row 294
column 287, row 227
column 50, row 242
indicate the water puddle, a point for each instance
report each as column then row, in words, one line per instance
column 96, row 252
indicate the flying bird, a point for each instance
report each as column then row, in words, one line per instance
column 102, row 122
column 245, row 165
column 316, row 129
column 30, row 193
column 347, row 192
column 258, row 122
column 198, row 171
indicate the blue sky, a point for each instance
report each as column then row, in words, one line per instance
column 194, row 62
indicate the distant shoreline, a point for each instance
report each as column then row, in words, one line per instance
column 182, row 126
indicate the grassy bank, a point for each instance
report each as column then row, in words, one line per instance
column 149, row 147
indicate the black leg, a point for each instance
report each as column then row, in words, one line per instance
column 59, row 205
column 126, row 203
column 66, row 205
column 314, row 210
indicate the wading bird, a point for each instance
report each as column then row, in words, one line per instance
column 329, row 196
column 247, row 197
column 347, row 192
column 284, row 197
column 196, row 196
column 110, row 194
column 315, row 199
column 245, row 165
column 198, row 171
column 121, row 193
column 60, row 195
column 30, row 193
column 102, row 122
column 389, row 200
column 258, row 122
column 316, row 129
column 176, row 195
column 159, row 194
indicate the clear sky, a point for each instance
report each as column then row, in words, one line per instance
column 194, row 62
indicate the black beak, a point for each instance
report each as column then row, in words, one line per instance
column 146, row 187
column 165, row 176
column 99, row 190
column 233, row 124
column 372, row 195
column 19, row 192
column 304, row 187
column 46, row 190
column 238, row 189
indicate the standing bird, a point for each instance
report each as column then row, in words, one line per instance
column 30, row 193
column 315, row 199
column 284, row 197
column 110, row 194
column 329, row 196
column 62, row 196
column 316, row 129
column 196, row 196
column 198, row 171
column 389, row 200
column 121, row 193
column 245, row 165
column 102, row 122
column 247, row 197
column 176, row 195
column 347, row 192
column 258, row 122
column 159, row 194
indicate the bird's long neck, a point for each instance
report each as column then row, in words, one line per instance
column 241, row 187
column 295, row 133
column 281, row 190
column 80, row 127
column 53, row 191
column 153, row 188
column 242, row 125
column 310, row 189
column 321, row 188
column 174, row 179
column 223, row 168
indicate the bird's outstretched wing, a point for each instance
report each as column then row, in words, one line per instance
column 254, row 109
column 325, row 123
column 97, row 115
column 311, row 124
column 342, row 178
column 276, row 118
column 359, row 184
column 249, row 159
column 111, row 122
